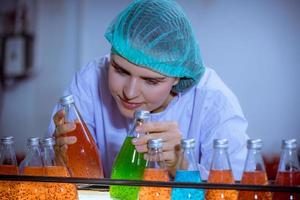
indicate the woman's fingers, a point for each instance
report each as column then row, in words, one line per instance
column 61, row 146
column 58, row 118
column 61, row 141
column 64, row 128
column 168, row 144
column 164, row 130
column 157, row 126
column 169, row 133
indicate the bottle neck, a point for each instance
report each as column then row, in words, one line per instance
column 254, row 161
column 136, row 123
column 155, row 159
column 33, row 157
column 187, row 160
column 289, row 161
column 48, row 156
column 7, row 155
column 220, row 160
column 72, row 113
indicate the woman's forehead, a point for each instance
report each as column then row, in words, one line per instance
column 133, row 68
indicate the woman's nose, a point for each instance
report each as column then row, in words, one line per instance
column 131, row 89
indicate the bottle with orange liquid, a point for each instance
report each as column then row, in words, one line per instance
column 8, row 166
column 83, row 157
column 54, row 166
column 288, row 173
column 220, row 172
column 32, row 165
column 254, row 172
column 155, row 170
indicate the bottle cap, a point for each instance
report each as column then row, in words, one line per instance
column 220, row 143
column 48, row 141
column 188, row 143
column 7, row 140
column 254, row 144
column 65, row 100
column 141, row 114
column 289, row 144
column 33, row 141
column 155, row 143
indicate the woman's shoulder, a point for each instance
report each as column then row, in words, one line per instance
column 211, row 83
column 213, row 91
column 92, row 72
column 97, row 64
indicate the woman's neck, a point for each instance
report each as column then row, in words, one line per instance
column 165, row 104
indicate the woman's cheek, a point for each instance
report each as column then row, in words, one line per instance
column 116, row 81
column 157, row 94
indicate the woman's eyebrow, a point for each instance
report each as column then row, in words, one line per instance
column 153, row 78
column 115, row 65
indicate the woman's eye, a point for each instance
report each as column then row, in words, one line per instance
column 120, row 71
column 152, row 82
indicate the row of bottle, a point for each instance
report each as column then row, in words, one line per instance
column 130, row 165
column 288, row 172
column 82, row 158
column 35, row 163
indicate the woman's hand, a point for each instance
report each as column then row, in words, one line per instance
column 170, row 134
column 61, row 128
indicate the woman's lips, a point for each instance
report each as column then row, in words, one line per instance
column 130, row 105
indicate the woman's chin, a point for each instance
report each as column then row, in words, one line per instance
column 126, row 112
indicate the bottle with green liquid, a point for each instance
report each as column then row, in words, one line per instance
column 129, row 164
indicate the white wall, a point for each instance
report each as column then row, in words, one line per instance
column 27, row 106
column 253, row 45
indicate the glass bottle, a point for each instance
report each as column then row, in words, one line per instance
column 288, row 173
column 254, row 172
column 129, row 164
column 220, row 172
column 83, row 158
column 8, row 166
column 32, row 165
column 187, row 171
column 155, row 170
column 54, row 166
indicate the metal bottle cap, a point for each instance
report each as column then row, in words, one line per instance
column 48, row 141
column 188, row 143
column 65, row 100
column 7, row 140
column 254, row 144
column 141, row 114
column 220, row 143
column 155, row 143
column 289, row 144
column 33, row 141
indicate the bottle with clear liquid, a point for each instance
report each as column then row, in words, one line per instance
column 155, row 170
column 83, row 157
column 187, row 171
column 32, row 165
column 254, row 172
column 220, row 172
column 54, row 166
column 288, row 173
column 8, row 166
column 129, row 164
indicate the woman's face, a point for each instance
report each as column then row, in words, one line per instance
column 134, row 87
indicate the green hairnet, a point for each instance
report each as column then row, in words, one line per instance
column 156, row 34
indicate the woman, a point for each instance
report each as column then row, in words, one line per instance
column 155, row 65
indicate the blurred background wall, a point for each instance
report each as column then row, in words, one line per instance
column 253, row 45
